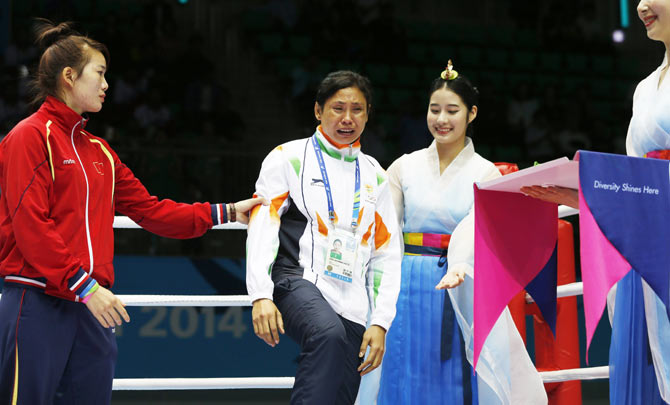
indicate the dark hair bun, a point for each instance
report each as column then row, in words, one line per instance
column 47, row 33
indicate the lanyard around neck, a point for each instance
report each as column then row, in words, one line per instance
column 326, row 184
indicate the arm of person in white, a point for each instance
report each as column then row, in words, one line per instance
column 395, row 186
column 263, row 243
column 394, row 174
column 383, row 279
column 461, row 253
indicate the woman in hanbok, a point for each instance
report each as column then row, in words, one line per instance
column 639, row 356
column 430, row 342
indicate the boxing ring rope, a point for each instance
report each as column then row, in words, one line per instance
column 127, row 223
column 139, row 300
column 565, row 290
column 147, row 384
column 154, row 384
column 185, row 300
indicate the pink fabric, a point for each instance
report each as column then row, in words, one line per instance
column 515, row 236
column 436, row 240
column 602, row 266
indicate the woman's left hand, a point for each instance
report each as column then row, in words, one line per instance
column 375, row 337
column 452, row 279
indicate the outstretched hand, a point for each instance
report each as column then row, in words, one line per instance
column 553, row 194
column 452, row 279
column 243, row 207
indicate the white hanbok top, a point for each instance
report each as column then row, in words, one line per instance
column 649, row 130
column 428, row 201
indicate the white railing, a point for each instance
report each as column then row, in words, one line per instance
column 148, row 384
column 285, row 382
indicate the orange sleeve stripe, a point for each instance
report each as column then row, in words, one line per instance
column 323, row 229
column 360, row 215
column 275, row 204
column 254, row 212
column 366, row 236
column 278, row 201
column 382, row 235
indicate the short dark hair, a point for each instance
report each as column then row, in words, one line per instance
column 61, row 47
column 342, row 79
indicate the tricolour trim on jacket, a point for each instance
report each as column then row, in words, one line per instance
column 26, row 281
column 219, row 214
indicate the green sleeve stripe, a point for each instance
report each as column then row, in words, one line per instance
column 296, row 166
column 380, row 179
column 377, row 280
column 273, row 260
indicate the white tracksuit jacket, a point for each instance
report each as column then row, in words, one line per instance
column 290, row 236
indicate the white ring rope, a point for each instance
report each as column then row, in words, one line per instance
column 144, row 300
column 565, row 290
column 201, row 383
column 589, row 373
column 147, row 384
column 185, row 300
column 127, row 223
column 592, row 373
column 565, row 211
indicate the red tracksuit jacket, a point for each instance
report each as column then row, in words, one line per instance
column 59, row 189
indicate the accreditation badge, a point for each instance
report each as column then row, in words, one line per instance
column 341, row 255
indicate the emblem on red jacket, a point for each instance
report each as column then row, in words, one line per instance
column 98, row 167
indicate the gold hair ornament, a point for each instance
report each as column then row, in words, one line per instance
column 449, row 73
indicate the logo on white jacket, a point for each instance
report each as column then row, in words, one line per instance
column 98, row 167
column 68, row 161
column 317, row 182
column 369, row 194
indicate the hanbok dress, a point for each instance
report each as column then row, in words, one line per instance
column 640, row 346
column 429, row 346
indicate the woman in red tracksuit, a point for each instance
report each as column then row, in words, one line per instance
column 60, row 187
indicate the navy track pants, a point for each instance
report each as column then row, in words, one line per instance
column 329, row 345
column 52, row 351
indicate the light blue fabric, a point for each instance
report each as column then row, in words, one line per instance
column 412, row 372
column 632, row 377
